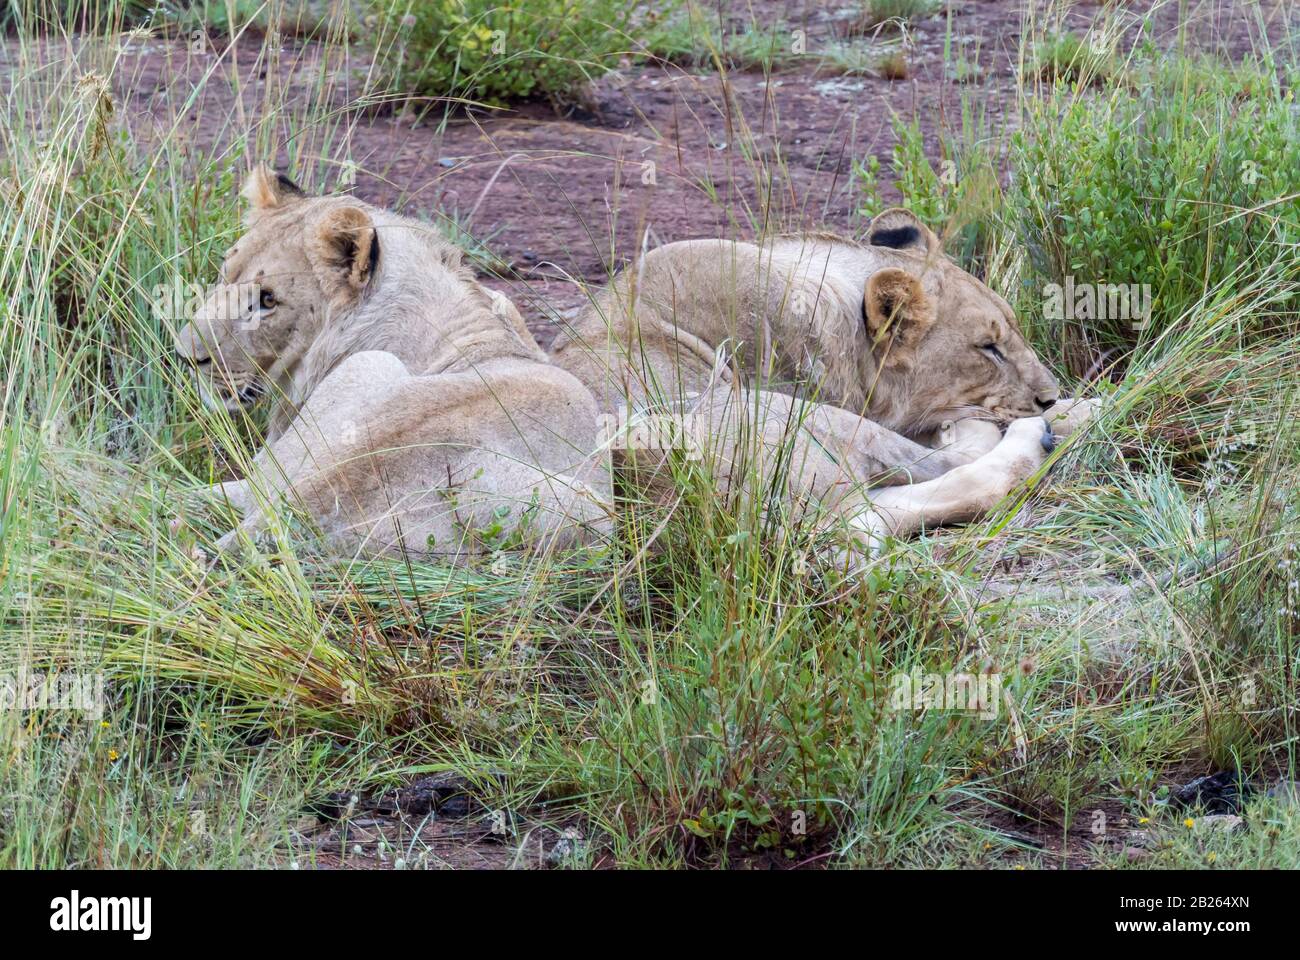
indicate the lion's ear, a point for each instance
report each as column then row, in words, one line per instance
column 343, row 249
column 900, row 229
column 264, row 189
column 899, row 314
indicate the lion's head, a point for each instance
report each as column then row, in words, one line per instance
column 315, row 279
column 953, row 343
column 298, row 262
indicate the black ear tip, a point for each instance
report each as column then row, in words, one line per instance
column 895, row 237
column 287, row 186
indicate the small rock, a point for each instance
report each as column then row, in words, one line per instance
column 332, row 806
column 444, row 793
column 1133, row 854
column 1286, row 792
column 1219, row 793
column 569, row 847
column 1140, row 839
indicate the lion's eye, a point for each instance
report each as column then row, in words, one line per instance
column 268, row 300
column 992, row 350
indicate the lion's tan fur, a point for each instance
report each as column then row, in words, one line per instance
column 412, row 410
column 804, row 311
column 410, row 405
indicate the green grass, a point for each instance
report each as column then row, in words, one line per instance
column 699, row 693
column 1178, row 185
column 690, row 35
column 489, row 52
column 877, row 12
column 1070, row 59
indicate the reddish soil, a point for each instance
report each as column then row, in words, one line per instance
column 433, row 822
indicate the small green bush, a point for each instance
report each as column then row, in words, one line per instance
column 492, row 52
column 1185, row 183
column 883, row 11
column 1066, row 58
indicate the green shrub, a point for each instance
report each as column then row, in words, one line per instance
column 1185, row 183
column 492, row 52
column 1066, row 58
column 883, row 11
column 752, row 709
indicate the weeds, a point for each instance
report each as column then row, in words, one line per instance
column 1181, row 188
column 895, row 12
column 487, row 52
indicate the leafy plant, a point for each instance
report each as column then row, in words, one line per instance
column 1180, row 185
column 1068, row 58
column 956, row 197
column 492, row 52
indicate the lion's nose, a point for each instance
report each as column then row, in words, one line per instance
column 192, row 360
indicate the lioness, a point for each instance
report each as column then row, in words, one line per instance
column 410, row 405
column 413, row 411
column 890, row 328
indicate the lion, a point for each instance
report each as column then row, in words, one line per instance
column 890, row 329
column 412, row 411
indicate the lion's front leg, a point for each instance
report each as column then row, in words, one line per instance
column 961, row 494
column 233, row 492
column 967, row 438
column 252, row 524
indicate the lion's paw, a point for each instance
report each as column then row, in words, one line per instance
column 1067, row 416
